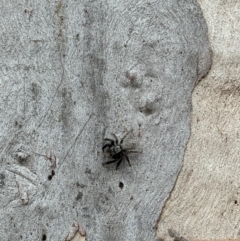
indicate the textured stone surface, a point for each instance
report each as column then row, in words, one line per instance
column 205, row 203
column 72, row 73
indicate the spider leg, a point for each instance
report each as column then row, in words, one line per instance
column 112, row 161
column 116, row 138
column 128, row 160
column 119, row 162
column 107, row 145
column 125, row 136
column 111, row 140
column 134, row 151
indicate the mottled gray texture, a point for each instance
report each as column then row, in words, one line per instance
column 73, row 72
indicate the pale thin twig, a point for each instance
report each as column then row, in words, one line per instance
column 80, row 132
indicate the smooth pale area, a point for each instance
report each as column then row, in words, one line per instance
column 205, row 203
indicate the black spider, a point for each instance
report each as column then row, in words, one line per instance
column 117, row 150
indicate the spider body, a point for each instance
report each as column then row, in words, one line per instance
column 117, row 150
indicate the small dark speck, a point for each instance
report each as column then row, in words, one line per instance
column 79, row 196
column 51, row 176
column 131, row 198
column 17, row 124
column 121, row 185
column 2, row 176
column 88, row 171
column 44, row 237
column 80, row 185
column 235, row 202
column 125, row 45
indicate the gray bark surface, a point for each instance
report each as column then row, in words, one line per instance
column 71, row 74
